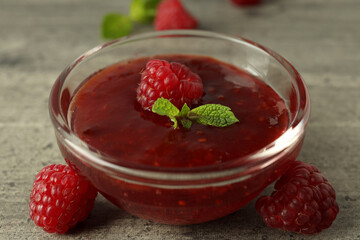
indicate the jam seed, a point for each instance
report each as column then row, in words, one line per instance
column 181, row 203
column 221, row 97
column 198, row 132
column 265, row 106
column 202, row 140
column 212, row 90
column 239, row 103
column 184, row 144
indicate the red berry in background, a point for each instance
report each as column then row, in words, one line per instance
column 170, row 80
column 60, row 198
column 246, row 2
column 171, row 14
column 303, row 201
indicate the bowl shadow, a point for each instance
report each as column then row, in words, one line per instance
column 103, row 215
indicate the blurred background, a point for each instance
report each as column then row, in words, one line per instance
column 38, row 38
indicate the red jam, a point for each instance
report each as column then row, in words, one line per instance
column 105, row 114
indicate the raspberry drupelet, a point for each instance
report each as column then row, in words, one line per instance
column 60, row 199
column 170, row 80
column 303, row 201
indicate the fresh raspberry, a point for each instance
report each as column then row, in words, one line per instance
column 170, row 80
column 171, row 14
column 304, row 201
column 60, row 198
column 242, row 3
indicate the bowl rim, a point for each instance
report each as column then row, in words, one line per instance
column 249, row 162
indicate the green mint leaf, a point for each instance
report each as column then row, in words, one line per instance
column 164, row 107
column 184, row 111
column 210, row 114
column 115, row 25
column 186, row 123
column 143, row 11
column 213, row 114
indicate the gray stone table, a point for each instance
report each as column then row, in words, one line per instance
column 38, row 38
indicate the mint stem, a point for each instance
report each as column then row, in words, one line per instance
column 209, row 114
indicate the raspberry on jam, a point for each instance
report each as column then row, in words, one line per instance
column 172, row 81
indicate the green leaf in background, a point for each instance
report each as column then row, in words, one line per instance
column 115, row 25
column 143, row 10
column 213, row 114
column 164, row 107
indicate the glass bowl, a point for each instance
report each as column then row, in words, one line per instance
column 178, row 195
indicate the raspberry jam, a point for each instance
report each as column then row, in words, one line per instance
column 105, row 114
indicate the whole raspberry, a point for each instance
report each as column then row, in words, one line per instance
column 60, row 198
column 170, row 80
column 170, row 14
column 304, row 201
column 242, row 3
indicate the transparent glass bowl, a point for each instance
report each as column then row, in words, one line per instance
column 194, row 195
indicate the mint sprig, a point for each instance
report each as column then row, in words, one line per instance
column 143, row 11
column 115, row 25
column 215, row 115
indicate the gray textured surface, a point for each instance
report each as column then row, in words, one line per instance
column 39, row 38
